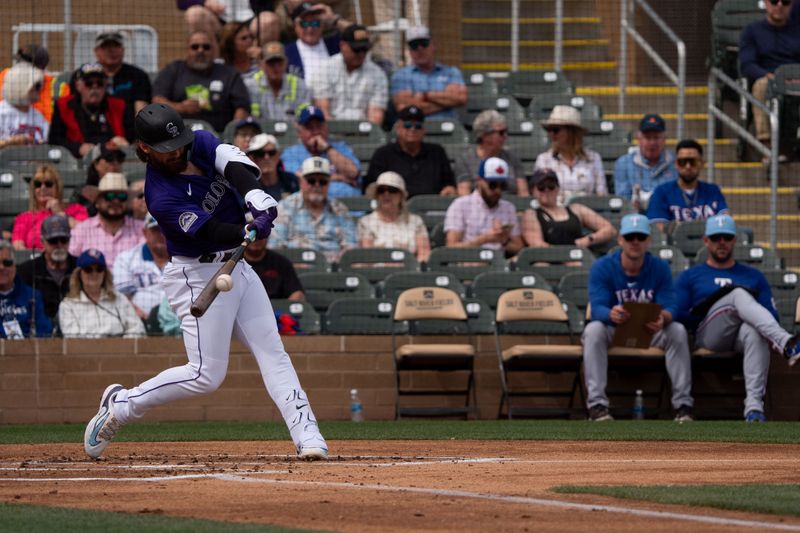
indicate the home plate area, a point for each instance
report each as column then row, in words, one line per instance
column 399, row 485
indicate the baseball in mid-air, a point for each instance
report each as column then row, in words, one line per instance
column 224, row 282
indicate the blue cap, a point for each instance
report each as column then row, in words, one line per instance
column 720, row 225
column 248, row 121
column 493, row 168
column 652, row 122
column 310, row 112
column 634, row 223
column 90, row 257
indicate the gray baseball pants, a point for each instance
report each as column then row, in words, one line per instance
column 737, row 322
column 672, row 339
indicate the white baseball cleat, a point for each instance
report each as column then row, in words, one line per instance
column 102, row 428
column 312, row 445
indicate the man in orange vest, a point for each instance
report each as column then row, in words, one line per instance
column 37, row 56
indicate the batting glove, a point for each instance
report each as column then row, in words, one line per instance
column 262, row 221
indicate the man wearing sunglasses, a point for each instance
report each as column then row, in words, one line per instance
column 49, row 272
column 764, row 46
column 20, row 304
column 483, row 219
column 310, row 51
column 686, row 198
column 111, row 230
column 125, row 81
column 435, row 88
column 200, row 88
column 264, row 151
column 350, row 86
column 730, row 307
column 90, row 116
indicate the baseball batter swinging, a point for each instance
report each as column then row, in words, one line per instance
column 190, row 189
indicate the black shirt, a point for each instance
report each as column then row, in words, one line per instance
column 129, row 83
column 426, row 173
column 278, row 275
column 35, row 274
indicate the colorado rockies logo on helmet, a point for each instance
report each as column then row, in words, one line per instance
column 172, row 129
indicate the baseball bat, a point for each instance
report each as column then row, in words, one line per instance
column 210, row 291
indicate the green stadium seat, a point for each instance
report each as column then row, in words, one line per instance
column 431, row 207
column 322, row 288
column 488, row 286
column 306, row 259
column 396, row 283
column 552, row 262
column 359, row 316
column 524, row 85
column 377, row 263
column 465, row 263
column 304, row 313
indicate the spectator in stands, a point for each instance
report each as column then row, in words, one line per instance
column 435, row 88
column 264, row 151
column 349, row 86
column 138, row 206
column 238, row 48
column 483, row 219
column 764, row 46
column 390, row 225
column 39, row 58
column 105, row 157
column 415, row 12
column 640, row 171
column 244, row 131
column 21, row 306
column 333, row 13
column 491, row 132
column 310, row 51
column 49, row 272
column 137, row 272
column 45, row 198
column 686, row 198
column 200, row 88
column 634, row 275
column 730, row 307
column 20, row 122
column 579, row 170
column 90, row 116
column 310, row 219
column 276, row 272
column 209, row 16
column 312, row 131
column 275, row 93
column 125, row 81
column 111, row 231
column 92, row 308
column 424, row 166
column 553, row 224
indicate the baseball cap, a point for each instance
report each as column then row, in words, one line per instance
column 150, row 221
column 55, row 226
column 108, row 37
column 493, row 168
column 310, row 112
column 316, row 165
column 90, row 257
column 107, row 151
column 634, row 223
column 541, row 174
column 260, row 141
column 248, row 121
column 113, row 181
column 652, row 122
column 720, row 225
column 89, row 69
column 34, row 54
column 357, row 37
column 273, row 50
column 417, row 33
column 411, row 112
column 305, row 8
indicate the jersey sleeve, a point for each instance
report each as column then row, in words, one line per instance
column 722, row 204
column 600, row 293
column 685, row 299
column 765, row 296
column 658, row 208
column 665, row 290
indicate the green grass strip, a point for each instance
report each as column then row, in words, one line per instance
column 769, row 499
column 41, row 519
column 543, row 430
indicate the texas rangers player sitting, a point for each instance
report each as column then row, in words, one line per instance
column 634, row 275
column 730, row 306
column 192, row 181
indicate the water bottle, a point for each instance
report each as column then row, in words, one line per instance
column 356, row 408
column 638, row 405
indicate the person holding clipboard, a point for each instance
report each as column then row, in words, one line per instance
column 619, row 284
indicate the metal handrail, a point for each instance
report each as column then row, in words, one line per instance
column 558, row 36
column 626, row 29
column 768, row 151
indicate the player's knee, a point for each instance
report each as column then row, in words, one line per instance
column 594, row 330
column 677, row 332
column 740, row 292
column 209, row 381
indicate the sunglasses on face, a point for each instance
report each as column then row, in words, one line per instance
column 94, row 269
column 197, row 46
column 384, row 189
column 8, row 263
column 630, row 237
column 782, row 2
column 114, row 158
column 111, row 196
column 721, row 237
column 499, row 132
column 408, row 124
column 541, row 187
column 310, row 23
column 95, row 84
column 264, row 153
column 684, row 161
column 46, row 184
column 494, row 185
column 57, row 240
column 422, row 43
column 553, row 129
column 317, row 181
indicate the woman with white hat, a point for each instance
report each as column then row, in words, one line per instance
column 579, row 170
column 391, row 225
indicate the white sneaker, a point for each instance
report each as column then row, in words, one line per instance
column 102, row 428
column 312, row 445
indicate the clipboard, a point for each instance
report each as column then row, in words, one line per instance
column 633, row 334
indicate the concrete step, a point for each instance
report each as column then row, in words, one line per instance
column 756, row 200
column 540, row 51
column 527, row 8
column 641, row 100
column 533, row 28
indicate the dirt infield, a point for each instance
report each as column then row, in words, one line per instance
column 400, row 485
